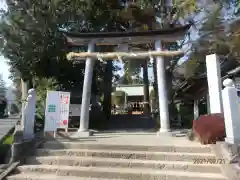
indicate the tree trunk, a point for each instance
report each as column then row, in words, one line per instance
column 107, row 103
column 30, row 84
column 146, row 87
column 94, row 84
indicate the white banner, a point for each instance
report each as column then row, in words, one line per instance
column 64, row 109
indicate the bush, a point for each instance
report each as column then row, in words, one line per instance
column 3, row 106
column 97, row 119
column 153, row 99
column 5, row 146
column 186, row 115
column 14, row 109
column 118, row 98
column 209, row 128
column 8, row 139
column 191, row 135
column 4, row 149
column 43, row 85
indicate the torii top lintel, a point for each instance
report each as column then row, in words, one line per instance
column 115, row 38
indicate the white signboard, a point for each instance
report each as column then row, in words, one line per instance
column 51, row 111
column 64, row 109
column 57, row 110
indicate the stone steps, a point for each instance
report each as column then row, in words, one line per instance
column 40, row 176
column 164, row 148
column 124, row 163
column 68, row 160
column 141, row 155
column 117, row 173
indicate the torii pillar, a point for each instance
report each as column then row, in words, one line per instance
column 83, row 130
column 162, row 92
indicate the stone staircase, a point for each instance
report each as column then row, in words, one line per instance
column 73, row 160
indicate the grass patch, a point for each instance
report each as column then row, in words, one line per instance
column 8, row 139
column 5, row 146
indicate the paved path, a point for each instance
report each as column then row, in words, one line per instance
column 131, row 138
column 6, row 124
column 131, row 122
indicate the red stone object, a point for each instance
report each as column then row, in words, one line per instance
column 209, row 128
column 65, row 122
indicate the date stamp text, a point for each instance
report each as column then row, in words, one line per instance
column 208, row 161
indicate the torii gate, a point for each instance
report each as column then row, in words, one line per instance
column 114, row 39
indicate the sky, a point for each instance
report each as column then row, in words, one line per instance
column 4, row 67
column 4, row 71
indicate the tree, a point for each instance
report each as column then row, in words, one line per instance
column 167, row 16
column 36, row 48
column 2, row 86
column 43, row 85
column 214, row 37
column 33, row 45
column 3, row 101
column 126, row 79
column 119, row 98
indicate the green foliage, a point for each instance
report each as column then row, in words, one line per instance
column 132, row 67
column 33, row 44
column 14, row 109
column 8, row 139
column 186, row 115
column 211, row 25
column 97, row 119
column 4, row 149
column 2, row 86
column 191, row 67
column 35, row 47
column 3, row 101
column 186, row 7
column 191, row 7
column 43, row 85
column 118, row 97
column 152, row 94
column 126, row 78
column 138, row 80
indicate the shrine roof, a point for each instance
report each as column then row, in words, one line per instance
column 115, row 38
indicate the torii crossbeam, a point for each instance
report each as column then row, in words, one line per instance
column 114, row 39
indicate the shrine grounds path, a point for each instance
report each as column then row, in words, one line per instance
column 131, row 123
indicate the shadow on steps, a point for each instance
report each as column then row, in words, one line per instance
column 131, row 122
